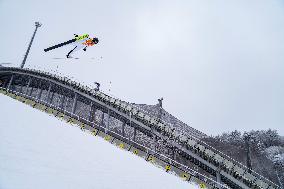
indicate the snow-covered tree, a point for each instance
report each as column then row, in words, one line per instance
column 266, row 150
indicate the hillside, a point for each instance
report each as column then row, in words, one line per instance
column 40, row 151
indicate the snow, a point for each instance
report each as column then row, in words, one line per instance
column 41, row 151
column 275, row 154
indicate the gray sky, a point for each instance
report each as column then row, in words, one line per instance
column 218, row 64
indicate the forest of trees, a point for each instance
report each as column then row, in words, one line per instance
column 265, row 149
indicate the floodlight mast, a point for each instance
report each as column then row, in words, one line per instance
column 37, row 25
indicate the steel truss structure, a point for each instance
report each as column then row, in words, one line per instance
column 129, row 128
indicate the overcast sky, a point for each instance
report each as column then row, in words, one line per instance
column 218, row 64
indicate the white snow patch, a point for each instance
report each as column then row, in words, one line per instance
column 40, row 151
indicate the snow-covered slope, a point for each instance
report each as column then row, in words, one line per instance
column 40, row 151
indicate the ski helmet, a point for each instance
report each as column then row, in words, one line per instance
column 95, row 40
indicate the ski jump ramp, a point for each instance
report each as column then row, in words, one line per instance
column 129, row 128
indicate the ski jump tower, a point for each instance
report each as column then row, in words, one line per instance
column 131, row 128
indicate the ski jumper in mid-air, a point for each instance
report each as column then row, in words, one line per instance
column 80, row 42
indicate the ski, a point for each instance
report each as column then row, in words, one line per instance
column 59, row 45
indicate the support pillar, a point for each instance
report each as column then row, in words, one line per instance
column 123, row 129
column 74, row 103
column 102, row 121
column 61, row 106
column 174, row 153
column 48, row 92
column 94, row 114
column 40, row 91
column 108, row 117
column 155, row 144
column 130, row 115
column 30, row 94
column 21, row 89
column 29, row 83
column 10, row 83
column 134, row 134
column 5, row 84
column 51, row 98
column 39, row 94
column 90, row 111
